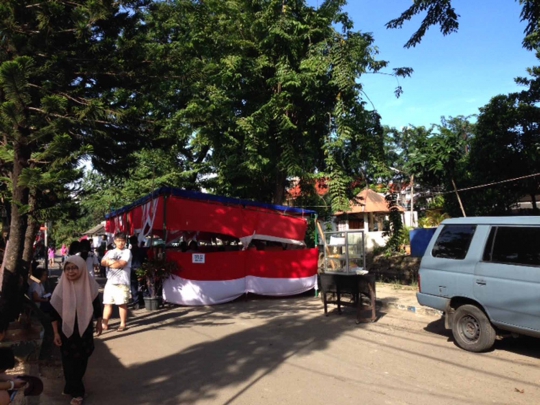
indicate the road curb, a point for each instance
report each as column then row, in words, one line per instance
column 417, row 309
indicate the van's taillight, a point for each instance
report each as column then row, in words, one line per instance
column 419, row 283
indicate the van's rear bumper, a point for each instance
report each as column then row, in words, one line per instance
column 433, row 301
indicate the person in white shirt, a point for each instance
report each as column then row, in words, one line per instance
column 37, row 291
column 117, row 289
column 92, row 263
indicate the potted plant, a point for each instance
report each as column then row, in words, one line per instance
column 151, row 275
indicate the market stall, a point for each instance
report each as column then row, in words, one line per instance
column 344, row 272
column 208, row 276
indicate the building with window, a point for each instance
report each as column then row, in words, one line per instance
column 368, row 212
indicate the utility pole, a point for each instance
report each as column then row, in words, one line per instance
column 459, row 199
column 412, row 201
column 411, row 210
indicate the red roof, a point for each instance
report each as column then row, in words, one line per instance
column 321, row 188
column 369, row 201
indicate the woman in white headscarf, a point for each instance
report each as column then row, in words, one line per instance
column 75, row 304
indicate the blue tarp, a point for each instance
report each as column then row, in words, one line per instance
column 195, row 195
column 420, row 239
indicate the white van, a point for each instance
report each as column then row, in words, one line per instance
column 484, row 273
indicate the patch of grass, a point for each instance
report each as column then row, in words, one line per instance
column 397, row 284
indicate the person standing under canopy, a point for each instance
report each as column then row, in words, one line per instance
column 64, row 252
column 52, row 253
column 92, row 263
column 117, row 289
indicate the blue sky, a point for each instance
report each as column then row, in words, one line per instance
column 453, row 75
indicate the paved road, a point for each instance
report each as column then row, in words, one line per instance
column 287, row 352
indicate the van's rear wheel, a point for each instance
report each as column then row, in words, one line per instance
column 472, row 329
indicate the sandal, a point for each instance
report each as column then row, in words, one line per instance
column 121, row 328
column 104, row 326
column 76, row 401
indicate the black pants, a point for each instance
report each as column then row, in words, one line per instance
column 74, row 369
column 134, row 287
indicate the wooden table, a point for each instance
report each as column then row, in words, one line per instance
column 345, row 283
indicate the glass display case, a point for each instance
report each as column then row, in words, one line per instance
column 344, row 252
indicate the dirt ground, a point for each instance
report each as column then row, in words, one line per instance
column 285, row 351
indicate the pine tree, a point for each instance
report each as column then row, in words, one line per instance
column 68, row 89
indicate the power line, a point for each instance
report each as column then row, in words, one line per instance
column 487, row 185
column 454, row 191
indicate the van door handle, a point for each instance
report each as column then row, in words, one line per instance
column 481, row 282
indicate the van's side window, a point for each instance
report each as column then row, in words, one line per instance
column 516, row 245
column 488, row 250
column 454, row 241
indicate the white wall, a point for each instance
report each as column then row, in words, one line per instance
column 375, row 239
column 410, row 220
column 372, row 240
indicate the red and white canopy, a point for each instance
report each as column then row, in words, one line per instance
column 223, row 276
column 168, row 212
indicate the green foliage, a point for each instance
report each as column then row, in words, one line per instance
column 236, row 96
column 69, row 77
column 153, row 272
column 435, row 157
column 437, row 202
column 244, row 96
column 441, row 13
column 506, row 146
column 62, row 64
column 503, row 144
column 438, row 158
column 433, row 218
column 404, row 237
column 438, row 12
column 395, row 225
column 273, row 93
column 404, row 149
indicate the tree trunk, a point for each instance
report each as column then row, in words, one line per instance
column 279, row 190
column 31, row 230
column 13, row 279
column 533, row 202
column 17, row 228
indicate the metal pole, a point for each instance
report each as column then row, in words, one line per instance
column 364, row 248
column 412, row 200
column 165, row 200
column 316, row 232
column 317, row 247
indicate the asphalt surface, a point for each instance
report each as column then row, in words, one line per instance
column 285, row 351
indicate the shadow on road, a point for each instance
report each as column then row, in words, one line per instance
column 199, row 372
column 437, row 327
column 523, row 345
column 223, row 365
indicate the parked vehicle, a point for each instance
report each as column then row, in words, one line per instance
column 484, row 273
